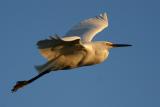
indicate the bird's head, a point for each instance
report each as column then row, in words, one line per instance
column 115, row 45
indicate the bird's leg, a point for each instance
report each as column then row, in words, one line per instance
column 20, row 84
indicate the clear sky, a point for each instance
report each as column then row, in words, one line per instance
column 129, row 78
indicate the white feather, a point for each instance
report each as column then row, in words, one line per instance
column 87, row 29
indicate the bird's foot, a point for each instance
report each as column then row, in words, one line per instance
column 18, row 85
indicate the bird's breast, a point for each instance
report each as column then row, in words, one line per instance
column 94, row 56
column 100, row 56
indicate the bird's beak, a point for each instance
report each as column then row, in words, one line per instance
column 120, row 45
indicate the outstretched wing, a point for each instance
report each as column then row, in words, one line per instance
column 51, row 48
column 87, row 29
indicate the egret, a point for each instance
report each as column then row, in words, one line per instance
column 75, row 49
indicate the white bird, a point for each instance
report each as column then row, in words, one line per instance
column 75, row 49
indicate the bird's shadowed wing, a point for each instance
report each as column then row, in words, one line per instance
column 87, row 29
column 51, row 48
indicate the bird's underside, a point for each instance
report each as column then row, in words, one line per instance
column 61, row 54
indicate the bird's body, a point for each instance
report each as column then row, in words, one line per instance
column 75, row 49
column 68, row 57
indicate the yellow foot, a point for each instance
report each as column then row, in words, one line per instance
column 18, row 85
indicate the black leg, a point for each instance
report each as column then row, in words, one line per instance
column 20, row 84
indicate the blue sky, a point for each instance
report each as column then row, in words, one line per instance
column 129, row 78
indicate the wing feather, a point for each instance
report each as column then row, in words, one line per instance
column 87, row 29
column 51, row 48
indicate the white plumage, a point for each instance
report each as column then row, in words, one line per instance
column 79, row 36
column 73, row 50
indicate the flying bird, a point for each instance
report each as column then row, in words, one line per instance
column 75, row 49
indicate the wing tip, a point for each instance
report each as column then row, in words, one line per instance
column 104, row 16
